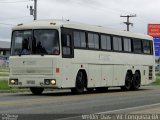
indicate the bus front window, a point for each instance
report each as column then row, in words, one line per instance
column 38, row 42
column 21, row 43
column 46, row 42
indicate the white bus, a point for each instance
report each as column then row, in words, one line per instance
column 64, row 54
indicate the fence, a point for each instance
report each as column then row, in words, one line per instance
column 4, row 63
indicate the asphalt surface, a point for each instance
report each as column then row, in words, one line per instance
column 63, row 105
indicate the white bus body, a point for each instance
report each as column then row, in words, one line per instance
column 88, row 64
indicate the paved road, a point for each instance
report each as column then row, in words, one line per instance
column 66, row 105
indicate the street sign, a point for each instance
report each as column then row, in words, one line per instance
column 154, row 30
column 157, row 45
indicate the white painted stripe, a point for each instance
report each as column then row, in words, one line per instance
column 112, row 111
column 144, row 106
column 68, row 118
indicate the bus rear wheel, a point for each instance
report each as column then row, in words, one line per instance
column 128, row 82
column 80, row 84
column 136, row 83
column 37, row 91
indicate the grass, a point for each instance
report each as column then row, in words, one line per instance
column 4, row 69
column 158, row 74
column 4, row 74
column 5, row 88
column 157, row 82
column 4, row 85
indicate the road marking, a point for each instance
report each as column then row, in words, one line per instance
column 132, row 108
column 68, row 118
column 107, row 112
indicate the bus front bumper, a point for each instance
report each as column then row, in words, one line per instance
column 27, row 82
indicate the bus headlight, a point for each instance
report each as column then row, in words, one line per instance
column 53, row 82
column 13, row 81
column 50, row 82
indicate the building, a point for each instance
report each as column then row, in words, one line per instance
column 4, row 53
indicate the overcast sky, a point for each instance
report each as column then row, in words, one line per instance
column 97, row 12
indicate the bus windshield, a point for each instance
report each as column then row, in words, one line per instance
column 37, row 42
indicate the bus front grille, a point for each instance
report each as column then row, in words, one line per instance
column 31, row 71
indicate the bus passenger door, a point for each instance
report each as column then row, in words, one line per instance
column 67, row 43
column 68, row 79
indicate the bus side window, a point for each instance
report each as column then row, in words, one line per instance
column 146, row 47
column 117, row 43
column 66, row 44
column 137, row 46
column 151, row 47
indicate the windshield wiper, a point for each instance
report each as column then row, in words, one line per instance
column 41, row 50
column 24, row 52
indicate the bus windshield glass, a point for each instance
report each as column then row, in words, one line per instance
column 37, row 42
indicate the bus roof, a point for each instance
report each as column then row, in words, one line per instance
column 51, row 24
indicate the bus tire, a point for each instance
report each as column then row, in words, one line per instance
column 37, row 91
column 136, row 83
column 128, row 82
column 80, row 84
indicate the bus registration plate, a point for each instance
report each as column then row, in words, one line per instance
column 30, row 82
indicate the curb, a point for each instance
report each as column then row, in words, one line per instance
column 14, row 91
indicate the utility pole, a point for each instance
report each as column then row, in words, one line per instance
column 128, row 23
column 33, row 11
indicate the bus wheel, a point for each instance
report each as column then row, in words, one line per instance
column 136, row 83
column 37, row 91
column 101, row 89
column 80, row 83
column 128, row 82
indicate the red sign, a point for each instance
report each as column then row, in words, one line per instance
column 154, row 30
